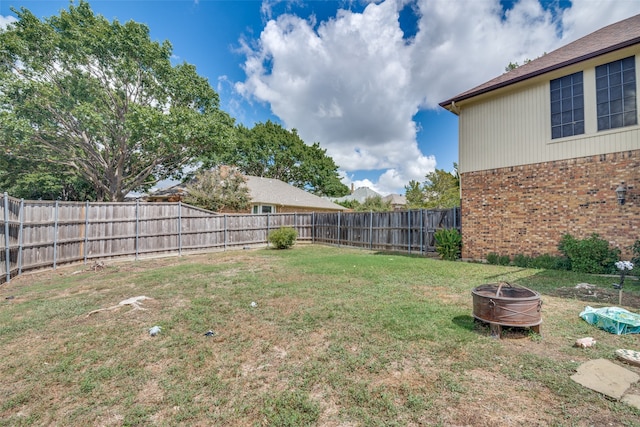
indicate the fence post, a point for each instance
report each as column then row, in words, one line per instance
column 370, row 230
column 20, row 237
column 338, row 229
column 179, row 228
column 137, row 228
column 267, row 229
column 313, row 227
column 409, row 230
column 86, row 231
column 6, row 237
column 225, row 232
column 55, row 235
column 422, row 251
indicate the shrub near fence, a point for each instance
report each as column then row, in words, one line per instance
column 43, row 234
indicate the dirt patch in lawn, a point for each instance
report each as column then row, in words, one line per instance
column 597, row 295
column 293, row 350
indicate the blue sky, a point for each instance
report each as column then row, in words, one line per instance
column 363, row 79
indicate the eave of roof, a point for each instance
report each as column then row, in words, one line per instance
column 265, row 191
column 275, row 192
column 605, row 40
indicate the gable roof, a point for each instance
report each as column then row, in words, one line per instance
column 270, row 191
column 360, row 195
column 608, row 39
column 265, row 191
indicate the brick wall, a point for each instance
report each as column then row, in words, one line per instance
column 527, row 209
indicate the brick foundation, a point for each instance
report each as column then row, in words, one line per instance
column 527, row 209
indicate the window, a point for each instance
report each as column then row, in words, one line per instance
column 263, row 209
column 567, row 106
column 616, row 94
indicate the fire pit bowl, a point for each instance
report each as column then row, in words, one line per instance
column 503, row 304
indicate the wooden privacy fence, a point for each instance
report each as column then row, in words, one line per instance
column 410, row 231
column 45, row 234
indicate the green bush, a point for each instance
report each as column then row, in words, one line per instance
column 635, row 259
column 591, row 255
column 448, row 243
column 543, row 262
column 550, row 262
column 283, row 238
column 493, row 258
column 635, row 248
column 522, row 261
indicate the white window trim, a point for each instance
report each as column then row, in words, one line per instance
column 257, row 209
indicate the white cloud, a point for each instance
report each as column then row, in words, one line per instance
column 354, row 84
column 463, row 44
column 587, row 16
column 6, row 20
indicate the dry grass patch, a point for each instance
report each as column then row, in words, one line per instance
column 337, row 338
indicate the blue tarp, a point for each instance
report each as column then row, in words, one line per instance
column 612, row 319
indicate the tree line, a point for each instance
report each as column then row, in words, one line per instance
column 93, row 110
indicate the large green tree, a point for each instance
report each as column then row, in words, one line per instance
column 34, row 180
column 441, row 189
column 271, row 151
column 101, row 100
column 414, row 195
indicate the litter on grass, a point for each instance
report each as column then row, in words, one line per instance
column 155, row 330
column 615, row 320
column 632, row 357
column 585, row 342
column 134, row 302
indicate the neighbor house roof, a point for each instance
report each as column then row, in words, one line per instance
column 265, row 191
column 360, row 195
column 608, row 39
column 270, row 191
column 395, row 199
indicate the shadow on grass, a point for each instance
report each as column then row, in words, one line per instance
column 472, row 324
column 464, row 322
column 431, row 255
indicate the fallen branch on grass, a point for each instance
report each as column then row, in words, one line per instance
column 134, row 302
column 96, row 266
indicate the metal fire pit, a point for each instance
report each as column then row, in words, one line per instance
column 502, row 304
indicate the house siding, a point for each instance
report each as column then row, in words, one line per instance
column 298, row 209
column 521, row 190
column 283, row 209
column 527, row 209
column 512, row 126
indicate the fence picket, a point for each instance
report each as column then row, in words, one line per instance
column 45, row 234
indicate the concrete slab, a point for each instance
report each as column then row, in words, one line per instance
column 631, row 399
column 605, row 377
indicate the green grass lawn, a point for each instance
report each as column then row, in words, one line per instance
column 338, row 337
